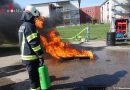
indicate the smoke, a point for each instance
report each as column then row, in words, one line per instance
column 3, row 2
column 9, row 21
column 55, row 19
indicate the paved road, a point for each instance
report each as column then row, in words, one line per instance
column 110, row 69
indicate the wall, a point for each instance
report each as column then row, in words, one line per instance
column 75, row 12
column 44, row 9
column 89, row 14
column 105, row 12
column 115, row 8
column 70, row 11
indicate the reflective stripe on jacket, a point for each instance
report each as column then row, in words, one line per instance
column 29, row 41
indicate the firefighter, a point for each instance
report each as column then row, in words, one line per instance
column 29, row 40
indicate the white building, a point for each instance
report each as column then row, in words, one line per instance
column 44, row 9
column 111, row 9
column 69, row 9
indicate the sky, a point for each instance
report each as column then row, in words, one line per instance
column 84, row 3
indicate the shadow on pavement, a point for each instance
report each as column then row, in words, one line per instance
column 94, row 48
column 7, row 51
column 104, row 79
column 25, row 84
column 54, row 78
column 16, row 86
column 82, row 46
column 11, row 70
column 122, row 44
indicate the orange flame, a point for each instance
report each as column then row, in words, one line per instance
column 39, row 22
column 58, row 49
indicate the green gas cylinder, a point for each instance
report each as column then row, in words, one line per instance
column 44, row 77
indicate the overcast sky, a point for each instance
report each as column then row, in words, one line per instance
column 84, row 3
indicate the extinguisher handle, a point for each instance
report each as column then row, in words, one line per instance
column 41, row 62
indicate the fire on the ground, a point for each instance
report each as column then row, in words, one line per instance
column 58, row 49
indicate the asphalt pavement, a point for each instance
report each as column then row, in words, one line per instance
column 110, row 70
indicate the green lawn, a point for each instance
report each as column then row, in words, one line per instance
column 97, row 31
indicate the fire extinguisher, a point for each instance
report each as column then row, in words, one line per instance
column 44, row 77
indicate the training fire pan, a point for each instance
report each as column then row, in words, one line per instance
column 74, row 58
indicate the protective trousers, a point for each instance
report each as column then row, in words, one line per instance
column 32, row 69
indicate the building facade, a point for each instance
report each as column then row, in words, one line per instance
column 68, row 8
column 44, row 9
column 111, row 9
column 90, row 14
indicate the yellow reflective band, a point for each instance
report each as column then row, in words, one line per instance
column 29, row 57
column 37, row 48
column 36, row 88
column 31, row 37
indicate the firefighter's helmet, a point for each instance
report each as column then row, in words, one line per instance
column 32, row 10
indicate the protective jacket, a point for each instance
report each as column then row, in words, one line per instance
column 29, row 39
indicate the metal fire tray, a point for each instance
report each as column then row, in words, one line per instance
column 75, row 57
